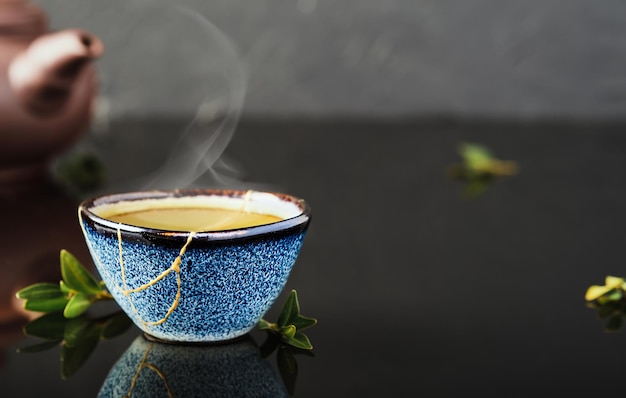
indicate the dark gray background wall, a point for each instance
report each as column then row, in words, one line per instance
column 319, row 58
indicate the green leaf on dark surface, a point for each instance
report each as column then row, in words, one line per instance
column 288, row 331
column 78, row 304
column 290, row 310
column 477, row 157
column 265, row 325
column 303, row 322
column 76, row 276
column 115, row 326
column 46, row 345
column 49, row 326
column 300, row 340
column 290, row 324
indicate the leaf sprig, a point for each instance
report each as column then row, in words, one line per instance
column 480, row 168
column 78, row 290
column 73, row 295
column 290, row 324
column 609, row 300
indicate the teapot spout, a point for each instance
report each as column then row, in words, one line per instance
column 44, row 76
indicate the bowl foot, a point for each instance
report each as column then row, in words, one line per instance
column 149, row 337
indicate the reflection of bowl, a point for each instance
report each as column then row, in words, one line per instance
column 151, row 369
column 195, row 286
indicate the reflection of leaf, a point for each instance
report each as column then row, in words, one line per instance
column 77, row 336
column 76, row 276
column 115, row 326
column 46, row 345
column 477, row 187
column 605, row 310
column 79, row 329
column 50, row 327
column 73, row 357
column 270, row 345
column 285, row 358
column 288, row 368
column 614, row 323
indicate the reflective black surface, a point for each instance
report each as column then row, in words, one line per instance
column 418, row 290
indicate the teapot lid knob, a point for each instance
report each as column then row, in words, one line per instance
column 21, row 18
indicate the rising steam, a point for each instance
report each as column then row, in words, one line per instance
column 196, row 159
column 166, row 63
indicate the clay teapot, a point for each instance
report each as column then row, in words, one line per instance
column 47, row 86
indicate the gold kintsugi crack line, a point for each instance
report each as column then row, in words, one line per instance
column 144, row 364
column 174, row 267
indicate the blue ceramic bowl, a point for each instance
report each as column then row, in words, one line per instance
column 196, row 286
column 151, row 370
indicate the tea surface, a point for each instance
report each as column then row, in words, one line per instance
column 192, row 219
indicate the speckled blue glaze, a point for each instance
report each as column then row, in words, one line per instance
column 227, row 280
column 151, row 370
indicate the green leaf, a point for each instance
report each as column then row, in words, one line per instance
column 615, row 296
column 64, row 288
column 77, row 305
column 265, row 325
column 477, row 157
column 596, row 291
column 303, row 322
column 46, row 305
column 288, row 331
column 299, row 340
column 46, row 345
column 76, row 276
column 43, row 297
column 40, row 291
column 290, row 310
column 49, row 326
column 115, row 326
